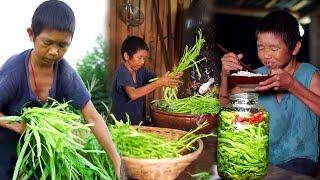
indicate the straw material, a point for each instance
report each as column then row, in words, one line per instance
column 161, row 169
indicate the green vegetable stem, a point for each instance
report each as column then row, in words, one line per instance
column 188, row 59
column 51, row 148
column 135, row 143
column 196, row 104
column 242, row 150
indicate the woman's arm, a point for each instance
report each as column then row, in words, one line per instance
column 282, row 80
column 310, row 97
column 223, row 90
column 165, row 80
column 101, row 132
column 230, row 62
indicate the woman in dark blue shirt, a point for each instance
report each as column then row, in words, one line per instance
column 130, row 83
column 39, row 73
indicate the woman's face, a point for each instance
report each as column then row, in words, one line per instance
column 137, row 60
column 272, row 51
column 50, row 45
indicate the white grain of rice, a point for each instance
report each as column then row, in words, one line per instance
column 247, row 73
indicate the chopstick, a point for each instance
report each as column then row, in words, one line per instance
column 242, row 64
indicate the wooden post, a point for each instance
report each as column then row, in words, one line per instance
column 160, row 33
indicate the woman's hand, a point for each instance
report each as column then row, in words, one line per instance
column 279, row 80
column 169, row 80
column 230, row 62
column 19, row 127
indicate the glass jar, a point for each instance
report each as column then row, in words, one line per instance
column 242, row 149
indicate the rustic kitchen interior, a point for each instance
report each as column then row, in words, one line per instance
column 168, row 26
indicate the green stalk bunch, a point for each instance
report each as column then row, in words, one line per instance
column 196, row 104
column 97, row 156
column 242, row 150
column 50, row 148
column 188, row 59
column 135, row 143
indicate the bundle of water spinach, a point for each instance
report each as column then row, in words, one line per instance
column 196, row 104
column 97, row 156
column 189, row 59
column 135, row 143
column 242, row 149
column 49, row 148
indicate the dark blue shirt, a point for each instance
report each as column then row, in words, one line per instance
column 121, row 102
column 16, row 92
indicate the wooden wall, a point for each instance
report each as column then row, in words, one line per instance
column 171, row 15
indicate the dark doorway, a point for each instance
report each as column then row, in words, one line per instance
column 237, row 34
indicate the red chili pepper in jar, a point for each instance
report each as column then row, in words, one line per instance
column 258, row 117
column 254, row 119
column 241, row 119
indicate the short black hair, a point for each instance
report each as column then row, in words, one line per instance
column 53, row 14
column 282, row 23
column 132, row 44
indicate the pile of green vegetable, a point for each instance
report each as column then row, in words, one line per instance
column 242, row 145
column 98, row 157
column 50, row 147
column 196, row 104
column 138, row 144
column 201, row 176
column 188, row 59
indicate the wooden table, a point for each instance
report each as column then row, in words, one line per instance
column 206, row 162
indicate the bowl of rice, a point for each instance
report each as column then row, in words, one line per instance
column 246, row 80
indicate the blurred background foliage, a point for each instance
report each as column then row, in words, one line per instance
column 93, row 69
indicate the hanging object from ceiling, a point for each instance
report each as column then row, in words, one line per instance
column 130, row 15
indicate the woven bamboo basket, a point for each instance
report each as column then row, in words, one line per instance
column 161, row 169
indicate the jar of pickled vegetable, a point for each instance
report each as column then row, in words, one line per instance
column 242, row 149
